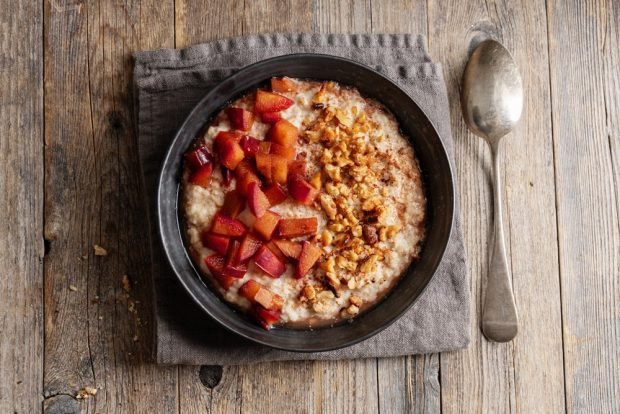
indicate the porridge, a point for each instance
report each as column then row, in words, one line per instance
column 303, row 203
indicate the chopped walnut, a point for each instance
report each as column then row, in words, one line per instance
column 323, row 300
column 370, row 234
column 126, row 283
column 370, row 263
column 353, row 310
column 309, row 292
column 329, row 206
column 333, row 280
column 327, row 237
column 86, row 392
column 100, row 251
column 329, row 265
column 355, row 300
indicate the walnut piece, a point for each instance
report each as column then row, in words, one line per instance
column 370, row 234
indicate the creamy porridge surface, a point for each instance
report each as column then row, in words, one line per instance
column 358, row 178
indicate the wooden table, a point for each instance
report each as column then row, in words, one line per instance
column 69, row 180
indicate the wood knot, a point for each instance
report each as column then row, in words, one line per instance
column 210, row 375
column 115, row 118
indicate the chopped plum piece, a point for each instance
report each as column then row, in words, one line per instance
column 296, row 227
column 237, row 271
column 307, row 258
column 266, row 225
column 227, row 175
column 289, row 248
column 232, row 254
column 283, row 84
column 215, row 242
column 265, row 317
column 283, row 133
column 215, row 263
column 240, row 118
column 202, row 176
column 227, row 226
column 264, row 147
column 230, row 154
column 246, row 174
column 258, row 203
column 279, row 169
column 275, row 194
column 232, row 267
column 286, row 152
column 276, row 250
column 256, row 293
column 269, row 262
column 226, row 136
column 263, row 165
column 198, row 157
column 233, row 203
column 270, row 117
column 249, row 145
column 271, row 102
column 249, row 246
column 297, row 167
column 301, row 191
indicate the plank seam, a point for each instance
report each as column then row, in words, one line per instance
column 378, row 388
column 92, row 126
column 611, row 158
column 557, row 219
column 43, row 290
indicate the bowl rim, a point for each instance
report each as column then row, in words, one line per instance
column 451, row 206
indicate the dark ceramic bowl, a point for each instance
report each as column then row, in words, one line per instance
column 437, row 178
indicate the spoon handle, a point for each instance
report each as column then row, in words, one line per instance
column 499, row 316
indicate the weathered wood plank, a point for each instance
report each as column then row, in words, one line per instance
column 350, row 16
column 584, row 40
column 525, row 375
column 212, row 389
column 290, row 387
column 155, row 29
column 21, row 207
column 277, row 16
column 399, row 16
column 203, row 20
column 409, row 384
column 198, row 22
column 97, row 332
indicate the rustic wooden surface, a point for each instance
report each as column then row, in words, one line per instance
column 69, row 180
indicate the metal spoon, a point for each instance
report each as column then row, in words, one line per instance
column 492, row 99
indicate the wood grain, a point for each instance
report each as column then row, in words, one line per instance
column 585, row 128
column 96, row 333
column 349, row 16
column 525, row 375
column 21, row 208
column 277, row 16
column 69, row 172
column 203, row 20
column 399, row 16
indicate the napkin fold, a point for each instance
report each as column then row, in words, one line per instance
column 167, row 85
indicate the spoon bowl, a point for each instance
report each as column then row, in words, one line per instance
column 492, row 100
column 492, row 91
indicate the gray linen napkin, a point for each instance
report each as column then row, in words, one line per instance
column 168, row 83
